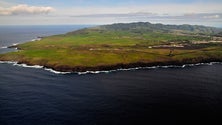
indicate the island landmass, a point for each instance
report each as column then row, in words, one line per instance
column 117, row 46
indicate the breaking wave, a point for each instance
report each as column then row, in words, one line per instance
column 15, row 44
column 32, row 66
column 4, row 47
column 36, row 39
column 28, row 66
column 105, row 71
column 150, row 67
column 56, row 72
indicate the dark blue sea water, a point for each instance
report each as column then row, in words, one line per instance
column 19, row 34
column 31, row 96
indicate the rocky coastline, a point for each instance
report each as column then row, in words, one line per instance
column 66, row 68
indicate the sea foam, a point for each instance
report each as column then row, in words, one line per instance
column 8, row 62
column 36, row 39
column 4, row 47
column 56, row 72
column 151, row 67
column 40, row 67
column 14, row 63
column 15, row 44
column 28, row 66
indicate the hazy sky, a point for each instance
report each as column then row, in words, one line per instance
column 44, row 12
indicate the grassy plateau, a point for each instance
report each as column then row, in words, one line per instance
column 122, row 46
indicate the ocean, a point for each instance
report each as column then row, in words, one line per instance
column 158, row 95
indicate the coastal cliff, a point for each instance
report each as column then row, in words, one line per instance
column 119, row 46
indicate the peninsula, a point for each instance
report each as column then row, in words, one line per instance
column 117, row 46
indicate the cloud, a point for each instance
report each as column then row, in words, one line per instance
column 171, row 9
column 204, row 16
column 144, row 16
column 24, row 9
column 116, row 15
column 212, row 17
column 6, row 4
column 175, row 13
column 209, row 19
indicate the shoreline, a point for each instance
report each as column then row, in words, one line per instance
column 15, row 45
column 64, row 68
column 125, row 49
column 114, row 68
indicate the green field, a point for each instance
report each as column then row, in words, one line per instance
column 100, row 46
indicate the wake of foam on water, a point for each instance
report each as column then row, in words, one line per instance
column 106, row 71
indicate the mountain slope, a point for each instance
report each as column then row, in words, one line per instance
column 146, row 26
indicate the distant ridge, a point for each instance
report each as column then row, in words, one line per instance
column 147, row 26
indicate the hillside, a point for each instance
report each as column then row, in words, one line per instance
column 148, row 27
column 145, row 27
column 122, row 46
